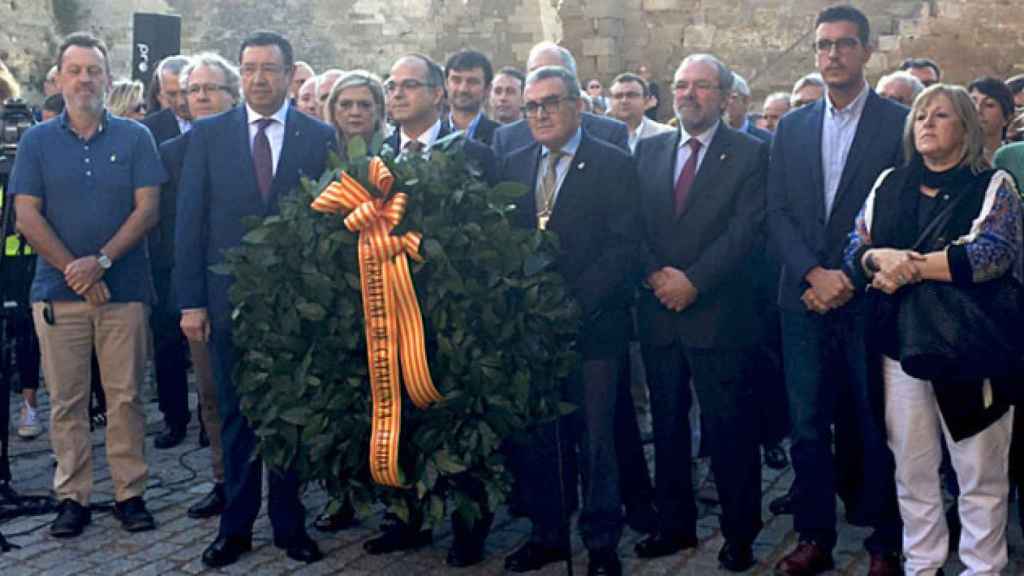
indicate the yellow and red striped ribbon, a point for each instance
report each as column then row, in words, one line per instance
column 394, row 323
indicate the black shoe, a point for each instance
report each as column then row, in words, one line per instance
column 530, row 557
column 736, row 557
column 642, row 518
column 783, row 504
column 170, row 437
column 657, row 545
column 468, row 540
column 204, row 438
column 72, row 518
column 211, row 505
column 304, row 549
column 226, row 550
column 604, row 562
column 344, row 518
column 133, row 515
column 398, row 537
column 775, row 457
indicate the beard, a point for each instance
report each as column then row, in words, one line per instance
column 88, row 102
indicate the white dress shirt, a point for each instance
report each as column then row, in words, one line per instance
column 837, row 132
column 683, row 152
column 183, row 125
column 427, row 139
column 275, row 131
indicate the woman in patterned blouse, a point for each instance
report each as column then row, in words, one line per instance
column 982, row 242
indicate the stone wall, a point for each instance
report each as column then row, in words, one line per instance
column 768, row 41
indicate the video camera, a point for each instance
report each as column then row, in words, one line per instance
column 15, row 119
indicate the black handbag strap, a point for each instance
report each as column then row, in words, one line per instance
column 940, row 220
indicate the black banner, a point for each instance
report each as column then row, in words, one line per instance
column 155, row 36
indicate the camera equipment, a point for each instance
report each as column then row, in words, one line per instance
column 15, row 119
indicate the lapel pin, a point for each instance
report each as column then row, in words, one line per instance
column 581, row 165
column 722, row 157
column 113, row 157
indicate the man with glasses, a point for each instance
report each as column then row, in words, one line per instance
column 826, row 157
column 237, row 165
column 701, row 194
column 924, row 69
column 579, row 188
column 212, row 87
column 629, row 95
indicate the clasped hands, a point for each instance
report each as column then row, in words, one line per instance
column 830, row 289
column 895, row 268
column 84, row 277
column 673, row 289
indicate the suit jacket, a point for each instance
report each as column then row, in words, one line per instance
column 760, row 134
column 711, row 241
column 596, row 226
column 485, row 131
column 653, row 128
column 218, row 190
column 161, row 239
column 804, row 235
column 481, row 155
column 163, row 125
column 511, row 137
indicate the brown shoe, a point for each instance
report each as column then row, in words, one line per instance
column 885, row 565
column 807, row 560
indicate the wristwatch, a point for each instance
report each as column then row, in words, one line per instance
column 104, row 261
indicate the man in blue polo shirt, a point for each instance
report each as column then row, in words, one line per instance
column 86, row 190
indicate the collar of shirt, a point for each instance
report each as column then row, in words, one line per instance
column 104, row 119
column 746, row 124
column 851, row 110
column 704, row 137
column 471, row 129
column 634, row 135
column 183, row 125
column 570, row 147
column 427, row 138
column 281, row 115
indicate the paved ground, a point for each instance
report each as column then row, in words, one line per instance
column 180, row 476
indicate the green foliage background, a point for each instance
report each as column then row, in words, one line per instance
column 500, row 329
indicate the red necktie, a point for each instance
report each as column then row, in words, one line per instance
column 687, row 175
column 262, row 158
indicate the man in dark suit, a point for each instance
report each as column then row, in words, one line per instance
column 468, row 75
column 736, row 111
column 511, row 137
column 825, row 159
column 239, row 164
column 212, row 87
column 578, row 188
column 415, row 89
column 169, row 356
column 701, row 191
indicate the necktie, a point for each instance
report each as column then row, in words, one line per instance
column 262, row 158
column 687, row 175
column 413, row 147
column 548, row 188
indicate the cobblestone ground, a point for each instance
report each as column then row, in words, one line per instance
column 181, row 475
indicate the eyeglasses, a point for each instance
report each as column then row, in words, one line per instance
column 249, row 70
column 405, row 85
column 548, row 105
column 195, row 89
column 701, row 85
column 825, row 45
column 594, row 86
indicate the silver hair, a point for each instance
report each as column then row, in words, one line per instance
column 213, row 60
column 725, row 76
column 572, row 87
column 813, row 79
column 784, row 96
column 739, row 84
column 916, row 86
column 173, row 64
column 563, row 54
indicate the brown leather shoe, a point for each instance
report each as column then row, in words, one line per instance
column 808, row 559
column 885, row 565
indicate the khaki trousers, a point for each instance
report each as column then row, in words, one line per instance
column 207, row 389
column 119, row 333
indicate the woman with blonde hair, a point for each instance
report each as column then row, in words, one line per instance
column 9, row 87
column 355, row 107
column 127, row 99
column 941, row 238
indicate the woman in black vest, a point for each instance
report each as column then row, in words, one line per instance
column 944, row 218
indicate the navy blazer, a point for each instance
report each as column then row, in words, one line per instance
column 475, row 151
column 712, row 240
column 511, row 137
column 804, row 235
column 485, row 130
column 759, row 133
column 218, row 190
column 161, row 238
column 163, row 125
column 595, row 219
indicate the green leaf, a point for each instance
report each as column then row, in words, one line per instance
column 311, row 311
column 356, row 147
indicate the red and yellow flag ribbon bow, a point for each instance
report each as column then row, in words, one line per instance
column 394, row 323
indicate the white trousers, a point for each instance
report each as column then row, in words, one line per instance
column 981, row 462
